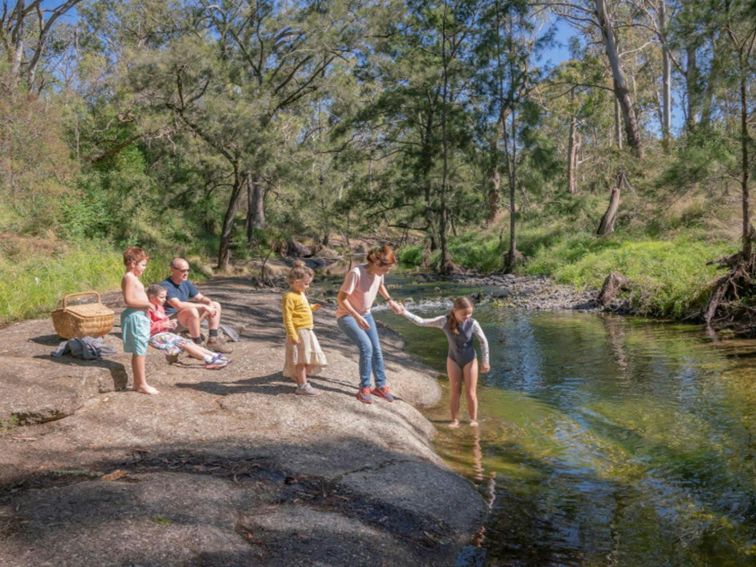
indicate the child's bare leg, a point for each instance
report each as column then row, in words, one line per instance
column 300, row 374
column 196, row 351
column 455, row 385
column 140, row 379
column 471, row 385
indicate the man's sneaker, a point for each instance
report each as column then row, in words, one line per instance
column 383, row 392
column 306, row 390
column 364, row 396
column 217, row 362
column 172, row 358
column 218, row 345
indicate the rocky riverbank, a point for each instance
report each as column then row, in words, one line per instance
column 523, row 292
column 225, row 467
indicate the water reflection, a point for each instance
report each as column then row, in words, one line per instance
column 608, row 441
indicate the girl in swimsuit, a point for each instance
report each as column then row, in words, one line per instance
column 461, row 362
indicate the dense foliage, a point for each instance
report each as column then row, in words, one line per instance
column 233, row 128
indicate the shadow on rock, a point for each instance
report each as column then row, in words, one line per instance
column 198, row 505
column 271, row 385
column 116, row 369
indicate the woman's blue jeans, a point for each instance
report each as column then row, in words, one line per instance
column 371, row 356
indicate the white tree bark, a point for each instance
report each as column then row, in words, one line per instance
column 621, row 90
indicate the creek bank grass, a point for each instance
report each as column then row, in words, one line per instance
column 32, row 284
column 669, row 278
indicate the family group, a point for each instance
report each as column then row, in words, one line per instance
column 147, row 322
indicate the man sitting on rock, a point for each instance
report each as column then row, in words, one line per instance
column 190, row 307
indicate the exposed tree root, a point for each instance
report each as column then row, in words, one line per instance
column 613, row 284
column 731, row 295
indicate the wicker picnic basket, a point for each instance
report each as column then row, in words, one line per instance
column 73, row 319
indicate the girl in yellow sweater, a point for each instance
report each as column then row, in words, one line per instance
column 303, row 353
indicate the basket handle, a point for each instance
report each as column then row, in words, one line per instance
column 71, row 296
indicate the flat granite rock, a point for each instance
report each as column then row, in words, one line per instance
column 224, row 467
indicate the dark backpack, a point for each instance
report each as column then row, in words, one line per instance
column 86, row 348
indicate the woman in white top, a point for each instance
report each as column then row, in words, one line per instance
column 361, row 286
column 461, row 361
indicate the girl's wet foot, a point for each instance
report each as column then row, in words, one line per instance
column 146, row 389
column 473, row 423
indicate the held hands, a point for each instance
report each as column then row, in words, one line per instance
column 362, row 322
column 484, row 368
column 171, row 324
column 315, row 306
column 293, row 341
column 397, row 308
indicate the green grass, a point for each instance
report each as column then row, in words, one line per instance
column 476, row 251
column 32, row 284
column 669, row 278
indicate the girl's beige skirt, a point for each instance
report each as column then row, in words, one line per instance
column 307, row 351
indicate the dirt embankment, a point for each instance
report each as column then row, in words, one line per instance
column 223, row 467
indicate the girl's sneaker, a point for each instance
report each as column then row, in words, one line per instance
column 383, row 392
column 217, row 362
column 306, row 390
column 364, row 396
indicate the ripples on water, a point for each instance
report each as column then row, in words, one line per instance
column 606, row 441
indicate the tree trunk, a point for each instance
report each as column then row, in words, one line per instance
column 18, row 42
column 621, row 90
column 572, row 156
column 510, row 261
column 512, row 256
column 692, row 88
column 250, row 210
column 494, row 180
column 745, row 173
column 607, row 221
column 255, row 207
column 617, row 124
column 712, row 82
column 493, row 196
column 445, row 265
column 427, row 165
column 666, row 78
column 226, row 237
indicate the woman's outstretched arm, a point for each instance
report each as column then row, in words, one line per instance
column 437, row 322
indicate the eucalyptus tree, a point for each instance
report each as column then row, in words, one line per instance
column 273, row 57
column 415, row 132
column 235, row 75
column 26, row 29
column 697, row 41
column 656, row 16
column 573, row 95
column 601, row 18
column 505, row 51
column 735, row 289
column 36, row 167
column 740, row 27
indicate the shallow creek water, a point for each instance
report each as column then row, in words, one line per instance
column 603, row 440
